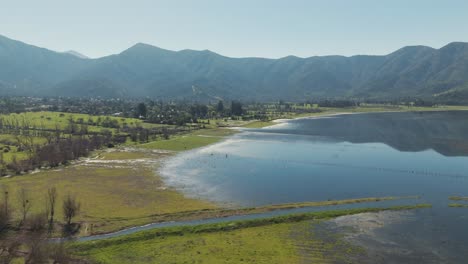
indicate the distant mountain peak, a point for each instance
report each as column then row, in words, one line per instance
column 291, row 57
column 457, row 43
column 140, row 45
column 412, row 49
column 143, row 48
column 455, row 46
column 76, row 54
column 205, row 52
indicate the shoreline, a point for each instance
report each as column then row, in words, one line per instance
column 243, row 237
column 263, row 212
column 328, row 113
column 281, row 121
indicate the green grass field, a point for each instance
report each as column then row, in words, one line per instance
column 258, row 124
column 251, row 245
column 9, row 149
column 50, row 120
column 284, row 239
column 194, row 139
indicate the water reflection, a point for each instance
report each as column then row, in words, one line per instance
column 444, row 132
column 338, row 157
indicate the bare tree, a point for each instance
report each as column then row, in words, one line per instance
column 23, row 197
column 51, row 200
column 71, row 208
column 6, row 201
column 46, row 209
column 2, row 162
column 4, row 218
column 5, row 207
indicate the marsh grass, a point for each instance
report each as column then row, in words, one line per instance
column 458, row 205
column 251, row 241
column 458, row 198
column 458, row 201
column 222, row 212
column 228, row 226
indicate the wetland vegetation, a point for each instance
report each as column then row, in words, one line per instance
column 458, row 202
column 271, row 240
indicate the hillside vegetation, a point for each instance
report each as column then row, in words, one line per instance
column 145, row 70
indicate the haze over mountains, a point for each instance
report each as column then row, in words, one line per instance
column 145, row 70
column 77, row 54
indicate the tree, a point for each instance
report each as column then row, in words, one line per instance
column 141, row 110
column 5, row 208
column 25, row 204
column 236, row 108
column 51, row 200
column 5, row 215
column 2, row 164
column 4, row 218
column 71, row 208
column 220, row 107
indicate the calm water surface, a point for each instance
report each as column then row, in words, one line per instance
column 344, row 156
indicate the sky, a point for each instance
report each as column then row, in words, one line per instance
column 236, row 28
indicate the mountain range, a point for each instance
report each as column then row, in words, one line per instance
column 148, row 71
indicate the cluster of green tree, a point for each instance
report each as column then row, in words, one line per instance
column 14, row 104
column 182, row 113
column 408, row 101
column 178, row 112
column 143, row 135
column 29, row 235
column 337, row 103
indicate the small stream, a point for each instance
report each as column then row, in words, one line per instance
column 381, row 204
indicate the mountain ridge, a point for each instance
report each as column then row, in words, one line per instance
column 76, row 54
column 146, row 70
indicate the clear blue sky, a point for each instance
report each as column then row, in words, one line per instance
column 236, row 28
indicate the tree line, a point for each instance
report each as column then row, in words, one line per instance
column 69, row 142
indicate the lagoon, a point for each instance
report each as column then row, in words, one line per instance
column 334, row 157
column 343, row 157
